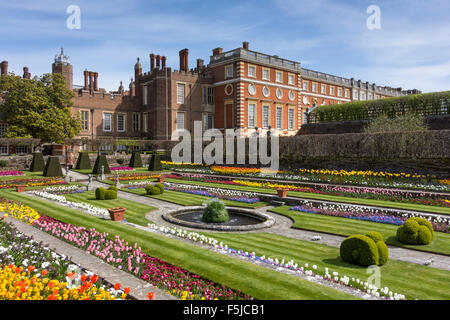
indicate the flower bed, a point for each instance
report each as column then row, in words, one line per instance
column 131, row 177
column 30, row 271
column 440, row 224
column 11, row 173
column 121, row 169
column 39, row 182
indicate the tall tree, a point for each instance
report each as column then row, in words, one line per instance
column 38, row 108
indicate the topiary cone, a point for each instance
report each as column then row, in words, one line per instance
column 83, row 161
column 99, row 162
column 53, row 168
column 155, row 163
column 136, row 160
column 38, row 163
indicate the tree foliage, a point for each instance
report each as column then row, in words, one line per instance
column 38, row 108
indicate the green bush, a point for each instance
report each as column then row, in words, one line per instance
column 383, row 252
column 409, row 122
column 418, row 231
column 152, row 190
column 215, row 212
column 135, row 161
column 155, row 162
column 53, row 168
column 3, row 163
column 99, row 162
column 38, row 163
column 83, row 161
column 375, row 236
column 100, row 193
column 113, row 188
column 160, row 186
column 361, row 250
column 120, row 161
column 110, row 194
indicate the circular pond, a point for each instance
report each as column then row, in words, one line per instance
column 240, row 219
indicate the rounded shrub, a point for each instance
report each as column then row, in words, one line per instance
column 160, row 186
column 215, row 212
column 361, row 250
column 383, row 252
column 152, row 190
column 375, row 236
column 416, row 231
column 110, row 194
column 113, row 188
column 100, row 193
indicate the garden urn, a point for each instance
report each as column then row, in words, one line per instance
column 282, row 193
column 116, row 214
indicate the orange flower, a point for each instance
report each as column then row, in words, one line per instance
column 51, row 284
column 52, row 297
column 18, row 269
column 151, row 295
column 94, row 278
column 31, row 268
column 83, row 277
column 44, row 272
column 117, row 286
column 126, row 290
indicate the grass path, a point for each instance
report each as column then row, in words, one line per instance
column 412, row 280
column 259, row 282
column 135, row 212
column 346, row 227
column 314, row 196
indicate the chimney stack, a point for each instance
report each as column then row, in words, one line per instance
column 158, row 61
column 4, row 67
column 245, row 45
column 26, row 74
column 91, row 81
column 95, row 81
column 182, row 60
column 186, row 61
column 163, row 62
column 217, row 51
column 152, row 61
column 200, row 64
column 86, row 80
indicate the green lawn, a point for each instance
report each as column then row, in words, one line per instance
column 135, row 212
column 28, row 175
column 314, row 196
column 346, row 227
column 257, row 281
column 136, row 170
column 412, row 280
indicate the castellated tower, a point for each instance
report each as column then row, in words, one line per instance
column 62, row 65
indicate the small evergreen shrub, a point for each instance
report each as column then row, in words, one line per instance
column 155, row 162
column 160, row 186
column 361, row 250
column 99, row 162
column 38, row 163
column 110, row 194
column 53, row 168
column 415, row 231
column 136, row 160
column 100, row 193
column 120, row 161
column 83, row 161
column 375, row 236
column 152, row 190
column 215, row 212
column 113, row 188
column 3, row 163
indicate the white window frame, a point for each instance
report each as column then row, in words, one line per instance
column 124, row 122
column 253, row 104
column 264, row 123
column 268, row 74
column 110, row 121
column 291, row 76
column 323, row 89
column 291, row 122
column 280, row 119
column 145, row 121
column 134, row 121
column 145, row 95
column 1, row 150
column 305, row 85
column 184, row 120
column 84, row 121
column 181, row 97
column 279, row 73
column 331, row 91
column 248, row 71
column 227, row 68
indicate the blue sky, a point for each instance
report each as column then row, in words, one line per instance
column 411, row 50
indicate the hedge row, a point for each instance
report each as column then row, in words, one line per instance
column 436, row 103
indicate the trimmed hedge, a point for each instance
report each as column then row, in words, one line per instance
column 106, row 194
column 415, row 230
column 365, row 250
column 99, row 162
column 436, row 103
column 152, row 190
column 38, row 163
column 53, row 168
column 135, row 161
column 83, row 161
column 160, row 186
column 155, row 162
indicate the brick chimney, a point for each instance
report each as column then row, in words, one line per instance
column 245, row 45
column 4, row 67
column 91, row 81
column 217, row 51
column 152, row 61
column 186, row 60
column 86, row 80
column 163, row 62
column 182, row 60
column 26, row 74
column 158, row 61
column 200, row 64
column 95, row 81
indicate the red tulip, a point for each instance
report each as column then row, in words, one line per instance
column 151, row 295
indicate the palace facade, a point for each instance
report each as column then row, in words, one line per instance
column 240, row 89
